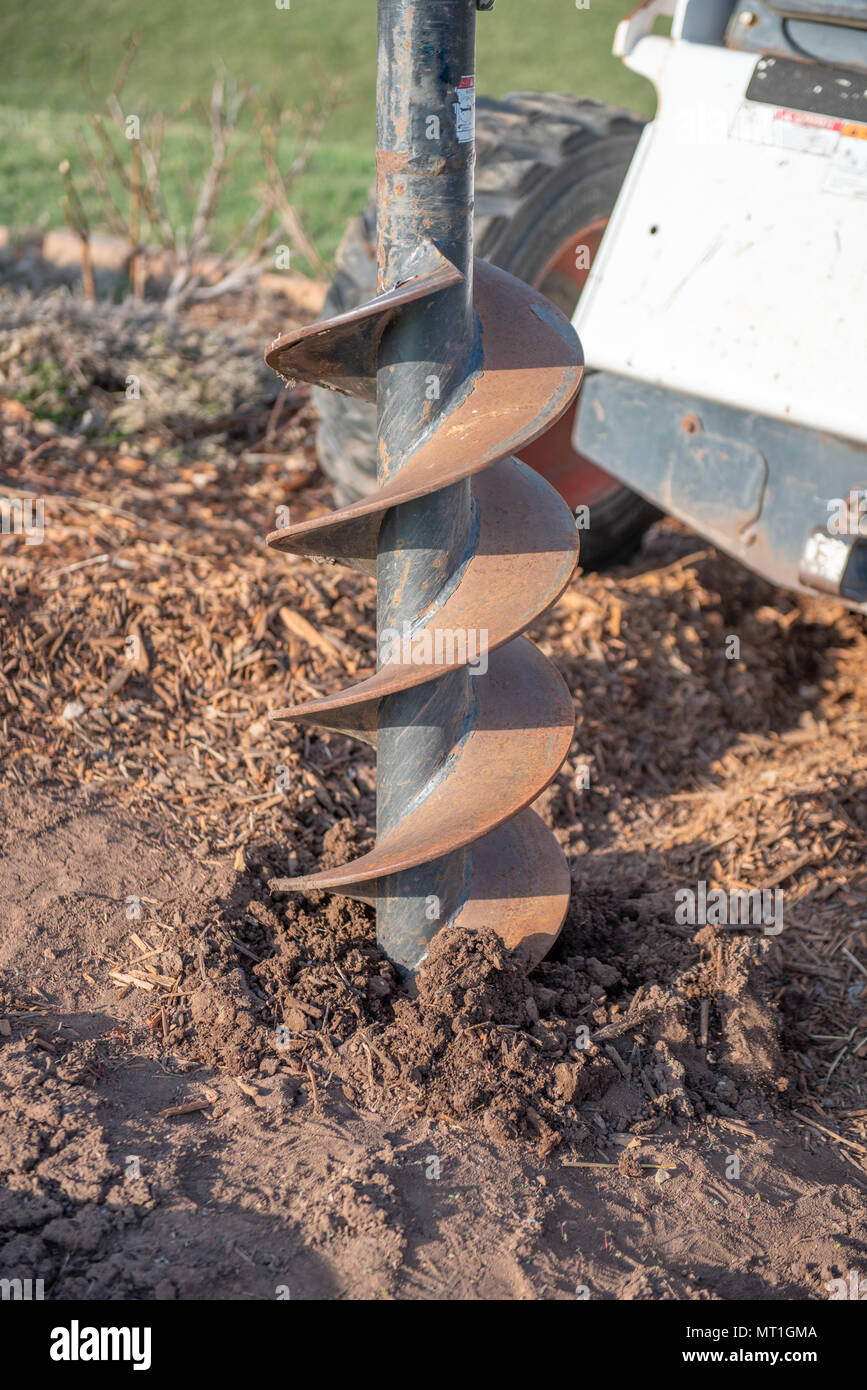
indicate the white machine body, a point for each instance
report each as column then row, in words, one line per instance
column 734, row 266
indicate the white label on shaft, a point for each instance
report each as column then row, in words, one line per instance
column 465, row 109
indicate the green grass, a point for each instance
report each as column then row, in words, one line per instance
column 523, row 44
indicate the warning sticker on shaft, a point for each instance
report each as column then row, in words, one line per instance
column 465, row 109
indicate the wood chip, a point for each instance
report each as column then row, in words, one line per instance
column 190, row 1109
column 132, row 980
column 308, row 633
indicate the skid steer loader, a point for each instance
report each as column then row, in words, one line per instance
column 714, row 264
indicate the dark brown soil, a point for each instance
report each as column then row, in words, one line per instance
column 659, row 1111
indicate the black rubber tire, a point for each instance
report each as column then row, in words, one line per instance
column 546, row 166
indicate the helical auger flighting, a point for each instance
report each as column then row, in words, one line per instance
column 469, row 544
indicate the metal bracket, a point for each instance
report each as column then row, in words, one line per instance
column 758, row 488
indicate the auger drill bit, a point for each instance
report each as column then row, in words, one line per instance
column 469, row 546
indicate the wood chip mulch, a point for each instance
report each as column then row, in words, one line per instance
column 144, row 641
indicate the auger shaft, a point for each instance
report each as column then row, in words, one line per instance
column 469, row 545
column 425, row 155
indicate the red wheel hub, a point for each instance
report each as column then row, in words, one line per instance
column 574, row 476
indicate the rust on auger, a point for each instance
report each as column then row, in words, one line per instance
column 469, row 546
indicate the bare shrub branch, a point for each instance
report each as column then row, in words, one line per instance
column 128, row 172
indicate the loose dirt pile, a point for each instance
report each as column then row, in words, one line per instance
column 246, row 1046
column 481, row 1044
